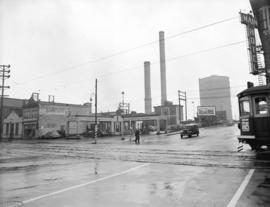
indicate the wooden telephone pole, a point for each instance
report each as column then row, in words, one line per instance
column 4, row 74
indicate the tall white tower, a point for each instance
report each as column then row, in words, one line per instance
column 162, row 68
column 147, row 88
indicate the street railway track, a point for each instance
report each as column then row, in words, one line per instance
column 137, row 154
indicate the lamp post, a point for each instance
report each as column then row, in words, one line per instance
column 122, row 115
column 193, row 110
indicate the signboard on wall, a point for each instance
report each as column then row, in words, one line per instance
column 52, row 110
column 206, row 110
column 251, row 24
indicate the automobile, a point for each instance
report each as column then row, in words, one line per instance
column 91, row 133
column 189, row 130
column 52, row 135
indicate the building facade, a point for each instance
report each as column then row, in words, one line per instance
column 12, row 124
column 215, row 91
column 172, row 115
column 12, row 112
column 40, row 117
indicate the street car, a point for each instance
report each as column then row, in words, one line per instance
column 189, row 130
column 254, row 105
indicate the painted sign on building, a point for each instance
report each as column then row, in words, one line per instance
column 53, row 110
column 206, row 111
column 251, row 24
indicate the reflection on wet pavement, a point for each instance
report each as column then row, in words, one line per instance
column 208, row 167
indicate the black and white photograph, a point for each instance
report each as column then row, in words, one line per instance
column 134, row 103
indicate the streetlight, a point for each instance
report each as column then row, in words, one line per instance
column 193, row 110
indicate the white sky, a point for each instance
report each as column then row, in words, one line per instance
column 51, row 46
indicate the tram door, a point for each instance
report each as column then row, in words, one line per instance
column 261, row 116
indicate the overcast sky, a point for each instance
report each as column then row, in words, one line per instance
column 59, row 47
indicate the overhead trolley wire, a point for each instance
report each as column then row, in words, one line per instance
column 138, row 67
column 127, row 50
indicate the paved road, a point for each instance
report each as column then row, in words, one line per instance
column 161, row 171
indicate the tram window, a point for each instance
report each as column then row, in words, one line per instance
column 261, row 105
column 245, row 108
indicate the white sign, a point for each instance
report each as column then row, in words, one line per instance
column 206, row 110
column 245, row 125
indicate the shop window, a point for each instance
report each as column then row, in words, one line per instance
column 16, row 129
column 7, row 128
column 261, row 106
column 117, row 126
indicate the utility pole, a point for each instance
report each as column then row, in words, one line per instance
column 182, row 96
column 4, row 71
column 186, row 104
column 179, row 99
column 122, row 114
column 96, row 129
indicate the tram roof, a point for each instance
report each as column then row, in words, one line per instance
column 255, row 90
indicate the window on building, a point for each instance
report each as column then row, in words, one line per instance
column 261, row 106
column 263, row 17
column 117, row 126
column 7, row 128
column 16, row 129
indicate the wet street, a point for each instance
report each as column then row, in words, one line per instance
column 160, row 171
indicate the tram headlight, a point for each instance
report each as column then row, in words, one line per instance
column 245, row 125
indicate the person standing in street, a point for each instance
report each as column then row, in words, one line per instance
column 137, row 136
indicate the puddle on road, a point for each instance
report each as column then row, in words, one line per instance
column 51, row 179
column 11, row 203
column 24, row 188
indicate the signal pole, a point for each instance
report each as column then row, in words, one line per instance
column 4, row 71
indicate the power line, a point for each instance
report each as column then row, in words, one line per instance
column 138, row 67
column 191, row 97
column 128, row 50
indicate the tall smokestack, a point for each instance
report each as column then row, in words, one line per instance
column 162, row 68
column 147, row 88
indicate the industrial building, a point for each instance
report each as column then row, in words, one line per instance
column 215, row 92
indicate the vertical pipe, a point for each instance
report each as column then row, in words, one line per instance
column 162, row 68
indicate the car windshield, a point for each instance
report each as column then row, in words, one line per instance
column 190, row 126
